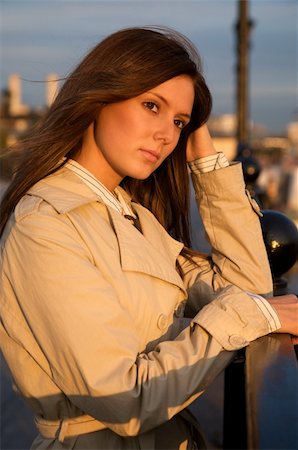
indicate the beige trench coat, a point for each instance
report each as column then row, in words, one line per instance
column 92, row 310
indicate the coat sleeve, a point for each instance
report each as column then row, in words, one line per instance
column 232, row 226
column 90, row 340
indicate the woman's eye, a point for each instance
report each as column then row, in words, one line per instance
column 152, row 106
column 179, row 123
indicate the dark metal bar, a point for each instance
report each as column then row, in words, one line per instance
column 234, row 426
column 272, row 393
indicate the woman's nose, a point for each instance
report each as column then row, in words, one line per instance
column 165, row 132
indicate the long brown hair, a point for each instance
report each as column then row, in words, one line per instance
column 124, row 65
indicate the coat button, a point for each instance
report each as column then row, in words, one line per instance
column 179, row 310
column 162, row 322
column 237, row 341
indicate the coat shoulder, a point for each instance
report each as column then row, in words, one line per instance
column 28, row 205
column 31, row 204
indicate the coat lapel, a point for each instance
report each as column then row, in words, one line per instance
column 153, row 251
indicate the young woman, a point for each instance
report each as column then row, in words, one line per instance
column 98, row 277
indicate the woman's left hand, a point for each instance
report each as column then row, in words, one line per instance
column 199, row 144
column 286, row 307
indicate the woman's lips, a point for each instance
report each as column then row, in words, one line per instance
column 150, row 155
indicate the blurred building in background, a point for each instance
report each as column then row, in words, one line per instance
column 278, row 156
column 16, row 117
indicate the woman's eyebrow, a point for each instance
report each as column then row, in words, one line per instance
column 163, row 99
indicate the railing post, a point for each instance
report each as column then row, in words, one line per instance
column 272, row 394
column 235, row 436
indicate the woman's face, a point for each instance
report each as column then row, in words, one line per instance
column 133, row 137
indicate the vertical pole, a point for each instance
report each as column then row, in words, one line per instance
column 242, row 32
column 235, row 428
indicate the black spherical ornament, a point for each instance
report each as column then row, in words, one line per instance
column 281, row 240
column 250, row 167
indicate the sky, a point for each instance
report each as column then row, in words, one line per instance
column 42, row 36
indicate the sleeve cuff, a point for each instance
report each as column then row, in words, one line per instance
column 235, row 319
column 209, row 163
column 267, row 310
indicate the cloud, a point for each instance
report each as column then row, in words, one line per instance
column 276, row 91
column 100, row 15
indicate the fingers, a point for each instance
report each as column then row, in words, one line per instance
column 284, row 299
column 286, row 307
column 199, row 144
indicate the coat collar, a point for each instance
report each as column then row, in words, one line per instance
column 154, row 252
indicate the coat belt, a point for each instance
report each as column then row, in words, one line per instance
column 66, row 428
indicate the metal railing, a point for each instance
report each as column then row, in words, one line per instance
column 261, row 396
